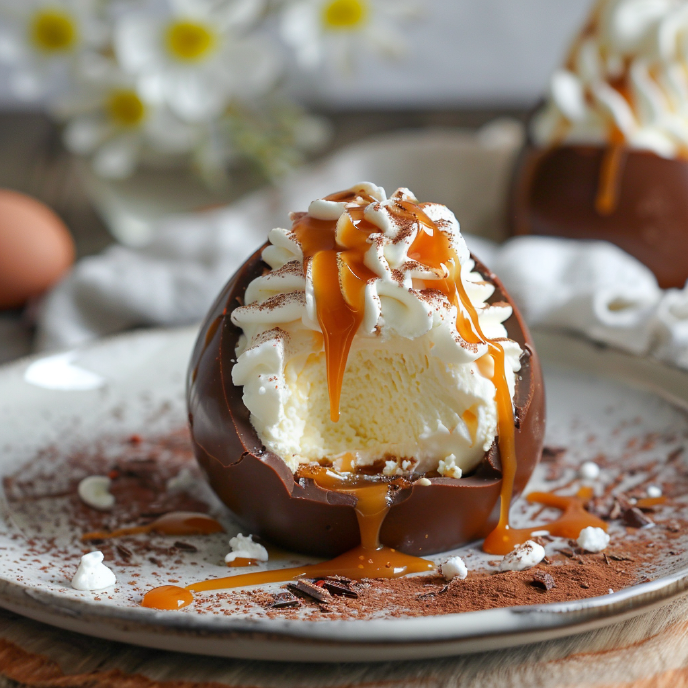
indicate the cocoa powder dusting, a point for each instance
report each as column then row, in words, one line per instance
column 140, row 467
column 427, row 595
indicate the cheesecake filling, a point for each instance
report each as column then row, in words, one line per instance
column 416, row 394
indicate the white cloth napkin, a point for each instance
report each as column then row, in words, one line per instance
column 590, row 288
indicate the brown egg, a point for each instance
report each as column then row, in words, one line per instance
column 36, row 249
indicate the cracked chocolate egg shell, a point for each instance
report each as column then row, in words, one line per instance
column 554, row 193
column 298, row 515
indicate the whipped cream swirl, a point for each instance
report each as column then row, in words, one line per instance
column 625, row 81
column 416, row 396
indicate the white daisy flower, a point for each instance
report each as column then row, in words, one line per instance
column 45, row 40
column 114, row 124
column 318, row 28
column 195, row 55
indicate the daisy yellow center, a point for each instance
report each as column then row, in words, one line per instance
column 345, row 14
column 189, row 41
column 125, row 108
column 53, row 31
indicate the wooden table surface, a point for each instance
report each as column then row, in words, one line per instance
column 650, row 650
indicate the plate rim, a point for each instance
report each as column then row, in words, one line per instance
column 505, row 625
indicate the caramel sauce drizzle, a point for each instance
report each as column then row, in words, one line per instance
column 174, row 523
column 433, row 248
column 569, row 525
column 336, row 252
column 336, row 259
column 611, row 170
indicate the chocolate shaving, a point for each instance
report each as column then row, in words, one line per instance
column 552, row 453
column 567, row 552
column 425, row 595
column 144, row 474
column 124, row 552
column 339, row 587
column 600, row 507
column 616, row 511
column 554, row 472
column 618, row 557
column 635, row 518
column 154, row 513
column 304, row 587
column 284, row 600
column 673, row 526
column 47, row 495
column 543, row 580
column 185, row 546
column 675, row 455
column 136, row 464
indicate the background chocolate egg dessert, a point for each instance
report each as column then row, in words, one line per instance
column 607, row 153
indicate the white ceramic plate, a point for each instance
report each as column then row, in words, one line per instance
column 134, row 383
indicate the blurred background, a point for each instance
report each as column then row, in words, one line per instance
column 458, row 54
column 113, row 135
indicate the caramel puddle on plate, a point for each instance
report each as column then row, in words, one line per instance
column 173, row 523
column 368, row 560
column 569, row 525
column 241, row 562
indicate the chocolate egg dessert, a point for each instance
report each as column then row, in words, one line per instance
column 607, row 153
column 365, row 388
